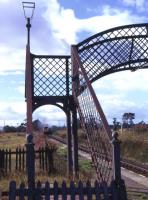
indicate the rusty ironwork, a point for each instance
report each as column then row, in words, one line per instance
column 28, row 90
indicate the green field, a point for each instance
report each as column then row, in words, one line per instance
column 134, row 146
column 12, row 140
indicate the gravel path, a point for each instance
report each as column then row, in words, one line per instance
column 39, row 141
column 134, row 180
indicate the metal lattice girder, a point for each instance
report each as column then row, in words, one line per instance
column 117, row 49
column 93, row 121
column 51, row 75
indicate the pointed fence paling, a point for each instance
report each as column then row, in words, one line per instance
column 93, row 120
column 63, row 191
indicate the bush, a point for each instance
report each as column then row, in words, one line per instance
column 9, row 129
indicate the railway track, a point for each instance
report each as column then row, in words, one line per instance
column 125, row 163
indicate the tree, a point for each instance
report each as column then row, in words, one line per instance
column 116, row 124
column 127, row 119
column 21, row 127
column 37, row 125
column 9, row 129
column 131, row 117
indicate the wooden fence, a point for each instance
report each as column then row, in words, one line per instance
column 11, row 161
column 71, row 191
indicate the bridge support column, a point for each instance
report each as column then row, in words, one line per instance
column 118, row 183
column 75, row 142
column 69, row 145
column 30, row 162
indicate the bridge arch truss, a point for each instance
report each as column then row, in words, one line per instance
column 113, row 50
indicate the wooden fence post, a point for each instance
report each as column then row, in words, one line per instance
column 80, row 190
column 12, row 190
column 72, row 190
column 42, row 158
column 47, row 190
column 64, row 190
column 16, row 161
column 20, row 159
column 2, row 161
column 22, row 191
column 50, row 160
column 55, row 190
column 9, row 160
column 23, row 160
column 6, row 161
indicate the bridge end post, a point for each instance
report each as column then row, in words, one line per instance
column 119, row 189
column 69, row 145
column 75, row 142
column 30, row 162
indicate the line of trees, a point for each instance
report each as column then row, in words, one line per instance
column 37, row 126
column 127, row 120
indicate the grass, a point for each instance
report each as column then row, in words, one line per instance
column 62, row 151
column 134, row 145
column 135, row 195
column 62, row 133
column 12, row 140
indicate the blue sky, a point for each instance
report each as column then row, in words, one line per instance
column 56, row 25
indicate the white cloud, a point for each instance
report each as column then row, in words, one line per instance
column 123, row 92
column 137, row 3
column 11, row 72
column 4, row 1
column 13, row 113
column 65, row 25
column 11, row 59
column 125, row 81
column 49, row 114
column 140, row 5
column 115, row 105
column 10, row 111
column 21, row 89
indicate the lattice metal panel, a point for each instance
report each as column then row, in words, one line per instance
column 51, row 75
column 97, row 136
column 115, row 50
